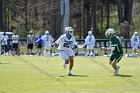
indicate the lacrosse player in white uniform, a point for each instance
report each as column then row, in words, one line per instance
column 135, row 43
column 5, row 42
column 66, row 44
column 47, row 40
column 90, row 43
column 1, row 38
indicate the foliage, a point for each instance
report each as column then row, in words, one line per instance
column 41, row 15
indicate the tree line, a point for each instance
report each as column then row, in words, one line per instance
column 40, row 15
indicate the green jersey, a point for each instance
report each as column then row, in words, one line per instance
column 115, row 45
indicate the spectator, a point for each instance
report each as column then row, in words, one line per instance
column 30, row 43
column 39, row 44
column 15, row 42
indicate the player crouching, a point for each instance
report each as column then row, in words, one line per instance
column 116, row 49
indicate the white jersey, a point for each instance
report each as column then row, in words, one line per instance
column 90, row 40
column 135, row 40
column 65, row 43
column 5, row 39
column 15, row 38
column 47, row 41
column 1, row 36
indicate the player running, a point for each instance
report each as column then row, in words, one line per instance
column 116, row 49
column 66, row 44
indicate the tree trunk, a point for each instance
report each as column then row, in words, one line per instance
column 128, row 10
column 26, row 15
column 102, row 19
column 94, row 17
column 120, row 15
column 1, row 15
column 4, row 16
column 108, row 14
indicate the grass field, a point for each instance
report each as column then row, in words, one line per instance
column 38, row 74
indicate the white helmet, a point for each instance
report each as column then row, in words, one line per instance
column 90, row 33
column 109, row 32
column 135, row 33
column 69, row 30
column 30, row 32
column 47, row 32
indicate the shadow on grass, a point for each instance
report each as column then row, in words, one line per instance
column 4, row 63
column 76, row 76
column 120, row 75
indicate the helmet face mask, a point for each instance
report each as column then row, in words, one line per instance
column 69, row 30
column 109, row 32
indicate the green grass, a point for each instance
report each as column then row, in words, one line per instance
column 94, row 75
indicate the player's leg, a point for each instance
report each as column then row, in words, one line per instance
column 18, row 49
column 134, row 50
column 28, row 50
column 31, row 48
column 41, row 52
column 71, row 60
column 71, row 65
column 65, row 57
column 114, row 64
column 13, row 49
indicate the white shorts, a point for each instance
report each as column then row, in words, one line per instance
column 65, row 54
column 90, row 47
column 135, row 47
column 47, row 47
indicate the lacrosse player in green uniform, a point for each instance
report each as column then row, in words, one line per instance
column 116, row 49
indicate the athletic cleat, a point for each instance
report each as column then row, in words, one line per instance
column 30, row 55
column 116, row 74
column 70, row 74
column 116, row 71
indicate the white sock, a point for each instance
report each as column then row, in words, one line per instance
column 70, row 71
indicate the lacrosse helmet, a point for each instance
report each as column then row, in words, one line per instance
column 109, row 32
column 90, row 33
column 135, row 33
column 47, row 32
column 69, row 30
column 30, row 32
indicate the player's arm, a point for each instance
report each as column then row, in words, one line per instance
column 27, row 39
column 94, row 41
column 52, row 40
column 57, row 42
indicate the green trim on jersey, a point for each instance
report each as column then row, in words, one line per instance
column 116, row 45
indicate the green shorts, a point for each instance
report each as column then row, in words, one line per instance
column 116, row 57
